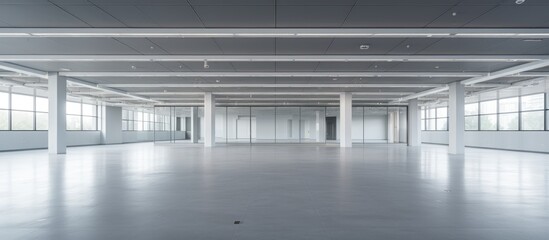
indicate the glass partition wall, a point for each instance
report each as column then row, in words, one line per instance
column 285, row 124
column 172, row 124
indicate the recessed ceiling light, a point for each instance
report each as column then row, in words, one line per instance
column 437, row 67
column 408, row 46
column 335, row 79
column 454, row 14
column 532, row 40
column 217, row 80
column 133, row 67
column 365, row 47
column 520, row 1
column 64, row 69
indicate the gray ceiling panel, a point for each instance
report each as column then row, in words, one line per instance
column 302, row 45
column 138, row 2
column 232, row 2
column 352, row 45
column 213, row 67
column 236, row 16
column 413, row 45
column 450, row 67
column 311, row 16
column 459, row 16
column 254, row 67
column 142, row 45
column 408, row 2
column 96, row 66
column 188, row 45
column 394, row 16
column 37, row 15
column 63, row 46
column 171, row 16
column 175, row 66
column 464, row 46
column 316, row 2
column 513, row 16
column 343, row 66
column 296, row 66
column 93, row 16
column 246, row 45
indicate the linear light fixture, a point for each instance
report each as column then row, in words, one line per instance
column 245, row 85
column 271, row 74
column 271, row 58
column 278, row 32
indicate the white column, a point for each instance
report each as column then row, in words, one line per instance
column 414, row 123
column 346, row 118
column 209, row 119
column 456, row 121
column 111, row 128
column 195, row 135
column 391, row 127
column 57, row 96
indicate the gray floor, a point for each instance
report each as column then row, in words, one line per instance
column 183, row 191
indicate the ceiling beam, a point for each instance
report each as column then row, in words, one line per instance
column 272, row 74
column 23, row 70
column 507, row 72
column 278, row 32
column 272, row 58
column 268, row 85
column 423, row 94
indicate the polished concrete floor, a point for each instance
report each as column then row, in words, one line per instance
column 184, row 191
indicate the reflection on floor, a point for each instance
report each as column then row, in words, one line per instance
column 289, row 191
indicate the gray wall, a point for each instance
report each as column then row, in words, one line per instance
column 536, row 141
column 20, row 140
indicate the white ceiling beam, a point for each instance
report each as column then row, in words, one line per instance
column 111, row 90
column 507, row 72
column 423, row 93
column 271, row 74
column 278, row 32
column 23, row 70
column 267, row 85
column 271, row 58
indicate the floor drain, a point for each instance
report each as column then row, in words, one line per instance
column 236, row 222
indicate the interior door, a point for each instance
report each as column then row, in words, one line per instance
column 331, row 128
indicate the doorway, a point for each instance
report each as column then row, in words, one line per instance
column 331, row 128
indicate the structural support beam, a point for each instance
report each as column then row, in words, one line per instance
column 278, row 32
column 270, row 58
column 57, row 96
column 414, row 123
column 274, row 74
column 456, row 113
column 346, row 119
column 195, row 126
column 209, row 119
column 507, row 72
column 23, row 70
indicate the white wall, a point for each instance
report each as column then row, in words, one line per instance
column 20, row 140
column 537, row 141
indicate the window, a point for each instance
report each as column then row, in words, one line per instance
column 471, row 117
column 525, row 113
column 508, row 118
column 27, row 111
column 532, row 114
column 434, row 119
column 22, row 112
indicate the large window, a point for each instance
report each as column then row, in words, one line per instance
column 434, row 118
column 525, row 113
column 141, row 120
column 25, row 110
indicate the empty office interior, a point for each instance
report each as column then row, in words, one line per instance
column 274, row 119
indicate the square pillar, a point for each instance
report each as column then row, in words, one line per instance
column 209, row 119
column 111, row 129
column 57, row 97
column 414, row 123
column 456, row 121
column 195, row 127
column 346, row 118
